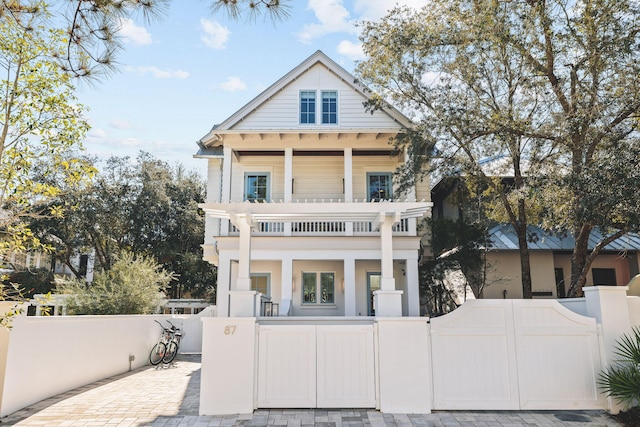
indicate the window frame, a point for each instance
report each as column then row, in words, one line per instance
column 318, row 285
column 329, row 113
column 306, row 102
column 267, row 197
column 389, row 175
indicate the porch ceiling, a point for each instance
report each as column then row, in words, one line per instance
column 314, row 211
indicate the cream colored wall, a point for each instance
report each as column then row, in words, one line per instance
column 366, row 164
column 504, row 274
column 274, row 268
column 274, row 165
column 317, row 177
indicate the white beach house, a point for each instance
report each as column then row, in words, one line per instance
column 302, row 215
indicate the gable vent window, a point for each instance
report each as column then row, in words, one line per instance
column 329, row 107
column 307, row 107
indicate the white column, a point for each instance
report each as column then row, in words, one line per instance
column 226, row 185
column 610, row 307
column 228, row 376
column 348, row 185
column 224, row 285
column 288, row 183
column 348, row 174
column 286, row 291
column 413, row 295
column 349, row 278
column 242, row 300
column 387, row 300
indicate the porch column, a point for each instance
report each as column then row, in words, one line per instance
column 413, row 296
column 387, row 300
column 349, row 278
column 286, row 291
column 242, row 298
column 226, row 185
column 224, row 285
column 412, row 223
column 348, row 185
column 288, row 184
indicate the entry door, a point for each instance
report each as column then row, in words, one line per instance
column 373, row 284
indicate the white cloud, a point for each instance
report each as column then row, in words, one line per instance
column 158, row 73
column 96, row 133
column 215, row 35
column 120, row 124
column 332, row 17
column 351, row 50
column 373, row 10
column 133, row 34
column 233, row 84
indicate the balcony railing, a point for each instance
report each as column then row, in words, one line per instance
column 324, row 228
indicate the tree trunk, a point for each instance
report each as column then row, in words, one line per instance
column 525, row 263
column 578, row 261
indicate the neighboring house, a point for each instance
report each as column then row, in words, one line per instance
column 301, row 207
column 22, row 261
column 550, row 255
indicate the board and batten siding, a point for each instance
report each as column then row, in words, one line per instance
column 282, row 110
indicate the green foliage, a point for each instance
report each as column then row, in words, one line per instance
column 146, row 207
column 10, row 293
column 36, row 281
column 41, row 125
column 274, row 9
column 133, row 285
column 544, row 89
column 622, row 380
column 457, row 246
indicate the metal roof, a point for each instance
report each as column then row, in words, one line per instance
column 503, row 237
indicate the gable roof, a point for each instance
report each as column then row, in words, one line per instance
column 275, row 88
column 503, row 237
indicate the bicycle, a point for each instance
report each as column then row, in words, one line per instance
column 167, row 346
column 174, row 344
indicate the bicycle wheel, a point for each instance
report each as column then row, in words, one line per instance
column 157, row 353
column 172, row 351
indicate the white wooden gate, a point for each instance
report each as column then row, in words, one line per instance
column 306, row 366
column 515, row 354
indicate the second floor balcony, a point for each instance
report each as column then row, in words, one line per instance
column 316, row 218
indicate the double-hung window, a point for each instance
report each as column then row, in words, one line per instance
column 328, row 107
column 314, row 294
column 307, row 107
column 256, row 187
column 379, row 186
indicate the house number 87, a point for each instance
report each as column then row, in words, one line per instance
column 230, row 330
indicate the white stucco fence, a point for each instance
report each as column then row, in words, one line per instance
column 486, row 355
column 45, row 356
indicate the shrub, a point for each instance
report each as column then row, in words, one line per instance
column 133, row 285
column 622, row 379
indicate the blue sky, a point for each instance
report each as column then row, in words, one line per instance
column 181, row 74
